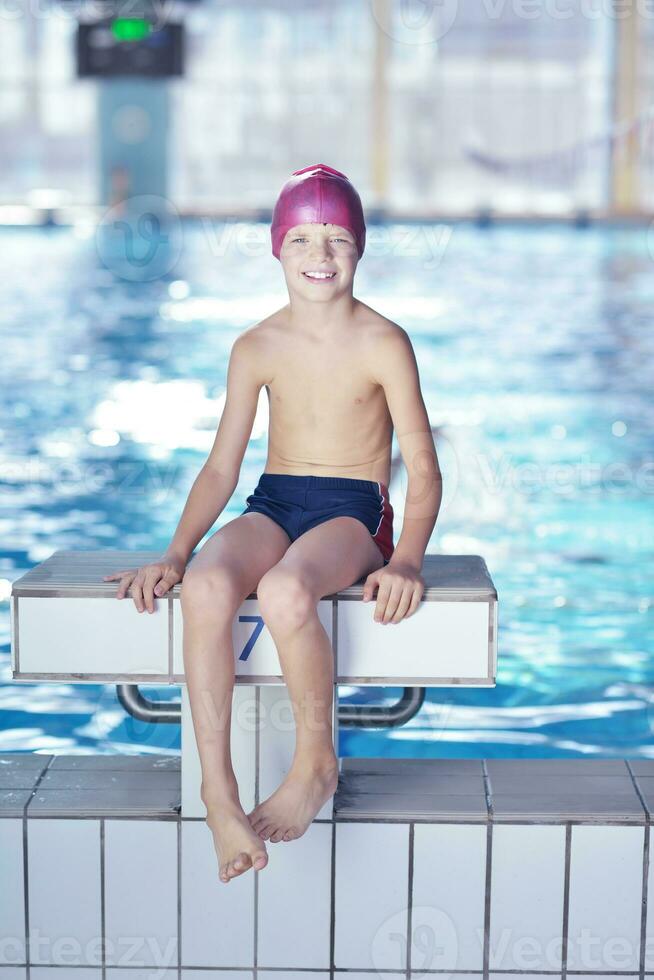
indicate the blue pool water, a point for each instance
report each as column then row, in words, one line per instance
column 536, row 357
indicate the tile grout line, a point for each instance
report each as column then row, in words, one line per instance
column 643, row 920
column 332, row 905
column 103, row 928
column 643, row 911
column 336, row 735
column 566, row 901
column 179, row 898
column 489, row 868
column 170, row 640
column 26, row 903
column 335, row 644
column 409, row 921
column 257, row 764
column 26, row 867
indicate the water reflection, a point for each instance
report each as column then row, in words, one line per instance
column 536, row 363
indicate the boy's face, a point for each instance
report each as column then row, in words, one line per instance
column 319, row 248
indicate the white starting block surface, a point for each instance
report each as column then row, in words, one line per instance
column 67, row 625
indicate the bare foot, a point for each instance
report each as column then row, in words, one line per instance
column 238, row 847
column 287, row 813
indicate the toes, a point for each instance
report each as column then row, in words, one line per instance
column 238, row 864
column 277, row 835
column 257, row 816
column 259, row 860
column 241, row 862
column 266, row 830
column 291, row 834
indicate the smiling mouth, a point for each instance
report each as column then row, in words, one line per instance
column 319, row 275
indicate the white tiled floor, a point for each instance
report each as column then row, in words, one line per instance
column 355, row 975
column 449, row 886
column 606, row 885
column 649, row 923
column 141, row 862
column 372, row 865
column 220, row 975
column 54, row 972
column 65, row 922
column 144, row 973
column 295, row 975
column 527, row 887
column 530, row 976
column 12, row 894
column 281, row 917
column 295, row 902
column 217, row 918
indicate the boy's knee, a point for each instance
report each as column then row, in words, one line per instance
column 285, row 598
column 210, row 589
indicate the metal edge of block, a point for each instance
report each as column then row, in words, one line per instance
column 163, row 680
column 15, row 661
column 170, row 640
column 494, row 614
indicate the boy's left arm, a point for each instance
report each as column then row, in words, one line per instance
column 400, row 584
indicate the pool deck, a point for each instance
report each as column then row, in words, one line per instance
column 526, row 867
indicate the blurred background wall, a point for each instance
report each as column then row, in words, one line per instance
column 525, row 107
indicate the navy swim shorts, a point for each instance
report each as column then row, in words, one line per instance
column 297, row 503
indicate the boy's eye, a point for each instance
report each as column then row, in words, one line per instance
column 301, row 238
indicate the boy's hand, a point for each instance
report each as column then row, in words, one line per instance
column 400, row 590
column 148, row 581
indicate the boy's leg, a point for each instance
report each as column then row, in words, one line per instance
column 321, row 561
column 222, row 574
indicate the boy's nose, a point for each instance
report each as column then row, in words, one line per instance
column 320, row 247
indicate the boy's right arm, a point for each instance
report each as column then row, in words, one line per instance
column 214, row 484
column 218, row 478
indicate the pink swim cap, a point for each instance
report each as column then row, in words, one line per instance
column 318, row 194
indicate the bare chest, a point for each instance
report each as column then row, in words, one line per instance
column 323, row 388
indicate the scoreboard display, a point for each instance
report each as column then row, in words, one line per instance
column 134, row 46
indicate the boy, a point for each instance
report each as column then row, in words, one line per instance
column 339, row 377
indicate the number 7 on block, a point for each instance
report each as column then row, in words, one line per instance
column 247, row 649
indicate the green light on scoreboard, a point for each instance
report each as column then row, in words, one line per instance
column 130, row 28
